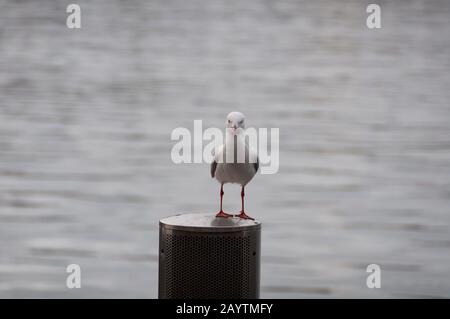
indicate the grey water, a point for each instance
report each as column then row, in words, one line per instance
column 86, row 117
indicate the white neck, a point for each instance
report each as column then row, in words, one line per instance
column 229, row 137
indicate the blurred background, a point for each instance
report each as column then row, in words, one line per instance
column 364, row 116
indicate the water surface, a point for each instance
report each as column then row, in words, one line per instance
column 364, row 117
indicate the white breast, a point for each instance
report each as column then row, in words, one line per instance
column 232, row 171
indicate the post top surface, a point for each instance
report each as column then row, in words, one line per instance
column 208, row 223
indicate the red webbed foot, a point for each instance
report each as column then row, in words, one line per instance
column 223, row 214
column 243, row 215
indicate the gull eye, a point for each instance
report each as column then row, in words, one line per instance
column 229, row 121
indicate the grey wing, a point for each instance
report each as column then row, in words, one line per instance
column 213, row 168
column 256, row 165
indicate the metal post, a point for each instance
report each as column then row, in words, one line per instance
column 201, row 256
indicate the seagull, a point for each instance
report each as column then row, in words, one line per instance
column 227, row 170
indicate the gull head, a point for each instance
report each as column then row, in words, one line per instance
column 235, row 123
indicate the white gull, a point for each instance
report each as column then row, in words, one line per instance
column 226, row 168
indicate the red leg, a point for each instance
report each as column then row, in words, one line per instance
column 221, row 213
column 243, row 215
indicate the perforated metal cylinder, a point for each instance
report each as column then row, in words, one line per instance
column 201, row 256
